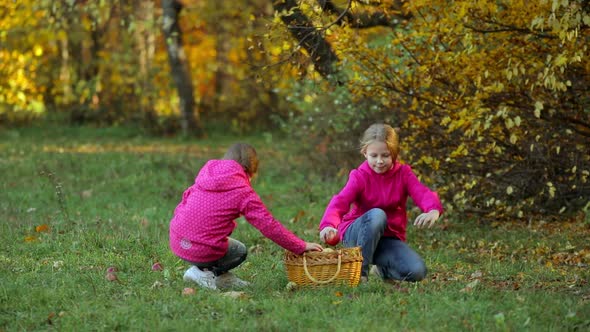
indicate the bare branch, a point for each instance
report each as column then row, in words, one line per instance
column 390, row 18
column 309, row 37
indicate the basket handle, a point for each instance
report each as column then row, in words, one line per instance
column 322, row 281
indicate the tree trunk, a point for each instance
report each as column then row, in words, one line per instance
column 179, row 68
column 64, row 73
column 222, row 47
column 145, row 40
column 310, row 38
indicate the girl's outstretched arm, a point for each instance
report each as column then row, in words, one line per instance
column 427, row 219
column 340, row 203
column 426, row 199
column 310, row 246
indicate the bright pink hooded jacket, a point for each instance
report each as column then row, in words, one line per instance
column 388, row 191
column 206, row 215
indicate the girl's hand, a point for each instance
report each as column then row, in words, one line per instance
column 327, row 233
column 309, row 246
column 427, row 219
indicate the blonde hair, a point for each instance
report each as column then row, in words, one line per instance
column 379, row 132
column 245, row 155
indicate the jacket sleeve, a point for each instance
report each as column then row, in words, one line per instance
column 258, row 216
column 340, row 203
column 426, row 199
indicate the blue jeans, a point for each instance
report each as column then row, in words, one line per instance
column 393, row 257
column 236, row 254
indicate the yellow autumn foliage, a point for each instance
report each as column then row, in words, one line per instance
column 491, row 99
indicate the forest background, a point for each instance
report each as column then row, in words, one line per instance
column 491, row 98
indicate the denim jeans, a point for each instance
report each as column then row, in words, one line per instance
column 235, row 255
column 393, row 257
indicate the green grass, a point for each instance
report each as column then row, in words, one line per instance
column 107, row 196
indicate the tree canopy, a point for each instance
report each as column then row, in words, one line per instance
column 491, row 97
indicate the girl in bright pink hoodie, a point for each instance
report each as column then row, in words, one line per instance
column 370, row 211
column 205, row 218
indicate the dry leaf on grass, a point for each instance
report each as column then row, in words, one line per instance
column 470, row 286
column 188, row 291
column 157, row 284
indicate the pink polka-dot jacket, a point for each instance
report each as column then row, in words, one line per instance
column 205, row 216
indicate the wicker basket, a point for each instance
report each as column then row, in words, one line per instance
column 317, row 268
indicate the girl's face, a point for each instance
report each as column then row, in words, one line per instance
column 379, row 157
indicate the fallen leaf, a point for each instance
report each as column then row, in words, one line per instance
column 298, row 216
column 30, row 238
column 157, row 267
column 50, row 317
column 470, row 286
column 42, row 228
column 188, row 291
column 157, row 284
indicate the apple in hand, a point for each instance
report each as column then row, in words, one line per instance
column 332, row 238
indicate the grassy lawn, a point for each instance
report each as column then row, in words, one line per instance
column 75, row 201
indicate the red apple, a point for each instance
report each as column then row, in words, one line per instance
column 332, row 238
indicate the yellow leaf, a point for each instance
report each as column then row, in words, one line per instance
column 276, row 50
column 538, row 108
column 551, row 189
column 560, row 60
column 42, row 228
column 513, row 139
column 30, row 238
column 509, row 123
column 38, row 50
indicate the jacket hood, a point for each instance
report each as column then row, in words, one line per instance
column 365, row 168
column 221, row 175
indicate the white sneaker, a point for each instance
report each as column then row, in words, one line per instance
column 204, row 279
column 229, row 280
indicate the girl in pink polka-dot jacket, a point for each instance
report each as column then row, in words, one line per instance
column 205, row 218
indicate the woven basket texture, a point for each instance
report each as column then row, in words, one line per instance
column 336, row 267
